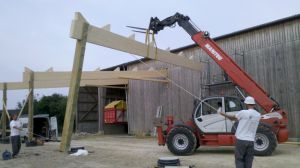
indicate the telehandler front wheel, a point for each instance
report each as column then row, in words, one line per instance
column 181, row 141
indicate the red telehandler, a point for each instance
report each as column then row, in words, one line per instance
column 208, row 128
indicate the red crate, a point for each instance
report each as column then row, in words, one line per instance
column 113, row 116
column 115, row 112
column 110, row 116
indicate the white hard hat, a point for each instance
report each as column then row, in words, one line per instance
column 249, row 100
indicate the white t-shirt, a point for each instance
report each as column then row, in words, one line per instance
column 14, row 131
column 248, row 123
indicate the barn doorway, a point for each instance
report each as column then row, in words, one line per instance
column 115, row 111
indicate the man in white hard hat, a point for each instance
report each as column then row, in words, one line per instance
column 245, row 133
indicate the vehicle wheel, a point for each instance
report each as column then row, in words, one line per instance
column 265, row 142
column 181, row 141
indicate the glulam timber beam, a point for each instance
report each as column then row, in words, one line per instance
column 105, row 38
column 94, row 75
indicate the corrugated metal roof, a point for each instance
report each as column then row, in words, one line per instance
column 124, row 65
column 283, row 20
column 290, row 18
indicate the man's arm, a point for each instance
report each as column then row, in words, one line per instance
column 230, row 117
column 18, row 128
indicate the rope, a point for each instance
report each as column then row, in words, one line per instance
column 6, row 137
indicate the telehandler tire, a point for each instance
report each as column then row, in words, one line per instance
column 181, row 141
column 265, row 141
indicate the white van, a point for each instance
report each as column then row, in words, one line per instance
column 43, row 126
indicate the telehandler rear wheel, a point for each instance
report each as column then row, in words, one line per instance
column 265, row 141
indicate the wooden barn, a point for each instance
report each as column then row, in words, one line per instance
column 270, row 53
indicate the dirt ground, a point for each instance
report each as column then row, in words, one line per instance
column 126, row 151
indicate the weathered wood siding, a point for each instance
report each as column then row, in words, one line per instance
column 145, row 96
column 271, row 55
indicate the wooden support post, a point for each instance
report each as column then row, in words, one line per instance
column 74, row 84
column 4, row 118
column 30, row 106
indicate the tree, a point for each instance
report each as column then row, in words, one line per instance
column 54, row 105
column 25, row 109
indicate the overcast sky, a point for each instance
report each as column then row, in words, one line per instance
column 35, row 33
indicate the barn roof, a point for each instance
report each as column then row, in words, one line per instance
column 268, row 24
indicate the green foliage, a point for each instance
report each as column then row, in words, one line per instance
column 25, row 110
column 54, row 105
